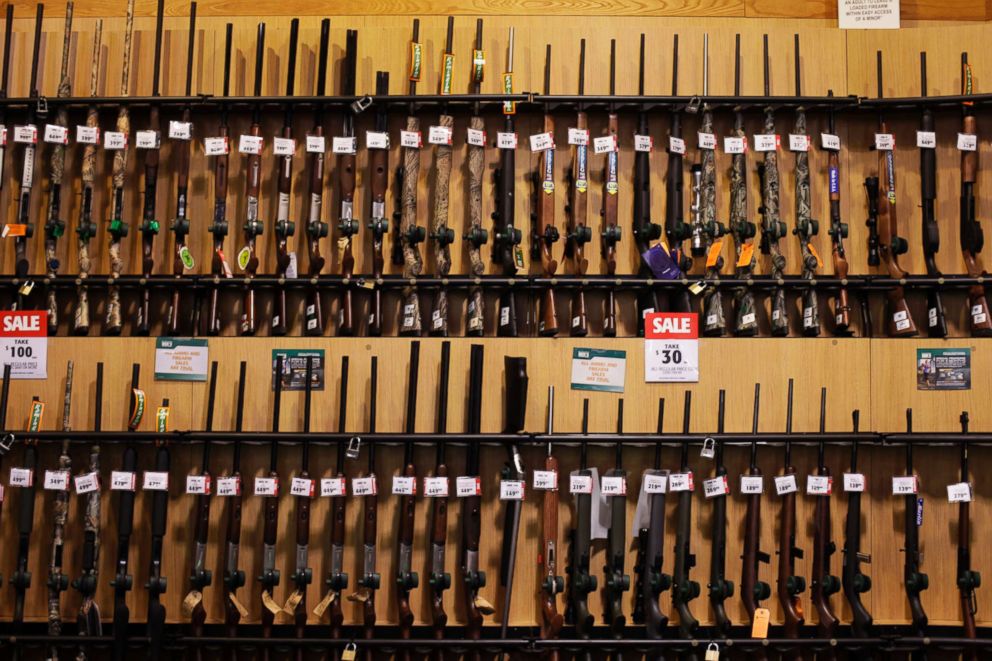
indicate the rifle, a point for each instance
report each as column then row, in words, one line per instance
column 253, row 227
column 651, row 580
column 347, row 225
column 269, row 578
column 684, row 589
column 772, row 227
column 968, row 579
column 234, row 577
column 515, row 413
column 545, row 234
column 676, row 231
column 284, row 227
column 218, row 263
column 88, row 619
column 378, row 224
column 838, row 232
column 972, row 237
column 712, row 229
column 937, row 323
column 183, row 258
column 337, row 580
column 58, row 582
column 122, row 580
column 742, row 229
column 55, row 227
column 476, row 235
column 118, row 228
column 915, row 581
column 296, row 604
column 581, row 582
column 316, row 228
column 156, row 584
column 806, row 228
column 21, row 578
column 551, row 584
column 720, row 589
column 201, row 577
column 23, row 229
column 441, row 234
column 406, row 578
column 407, row 178
column 881, row 192
column 823, row 583
column 790, row 586
column 853, row 581
column 610, row 234
column 440, row 580
column 645, row 231
column 149, row 225
column 616, row 582
column 753, row 589
column 579, row 234
column 85, row 227
column 506, row 237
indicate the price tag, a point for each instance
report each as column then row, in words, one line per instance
column 578, row 136
column 334, row 486
column 819, row 485
column 250, row 144
column 643, row 143
column 716, row 486
column 216, row 146
column 613, row 485
column 26, row 135
column 114, row 140
column 903, row 485
column 198, row 484
column 229, row 486
column 676, row 145
column 798, row 142
column 830, row 142
column 122, row 481
column 506, row 140
column 476, row 137
column 765, row 142
column 706, row 140
column 24, row 342
column 86, row 482
column 580, row 484
column 283, row 146
column 734, row 145
column 671, row 347
column 512, row 489
column 411, row 139
column 854, row 482
column 301, row 486
column 468, row 485
column 546, row 480
column 967, row 142
column 88, row 135
column 146, row 140
column 404, row 485
column 542, row 142
column 3, row 140
column 681, row 482
column 926, row 139
column 785, row 484
column 436, row 487
column 375, row 140
column 885, row 141
column 266, row 486
column 360, row 486
column 655, row 483
column 180, row 130
column 155, row 481
column 956, row 493
column 343, row 145
column 439, row 135
column 56, row 135
column 59, row 480
column 604, row 144
column 752, row 484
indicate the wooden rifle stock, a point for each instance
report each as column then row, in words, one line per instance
column 218, row 228
column 347, row 224
column 406, row 578
column 270, row 576
column 440, row 580
column 610, row 234
column 577, row 210
column 378, row 224
column 551, row 583
column 545, row 232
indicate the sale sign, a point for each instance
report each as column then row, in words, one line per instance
column 671, row 347
column 24, row 343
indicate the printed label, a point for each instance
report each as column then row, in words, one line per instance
column 27, row 135
column 819, row 485
column 676, row 145
column 506, row 140
column 613, row 485
column 578, row 136
column 680, row 482
column 716, row 486
column 580, row 484
column 146, row 140
column 155, row 481
column 967, row 142
column 344, row 145
column 885, row 141
column 266, row 486
column 830, row 142
column 376, row 140
column 765, row 142
column 198, row 484
column 644, row 143
column 706, row 140
column 404, row 485
column 655, row 483
column 467, row 486
column 545, row 480
column 122, row 481
column 926, row 139
column 733, row 145
column 903, row 485
column 785, row 484
column 854, row 482
column 301, row 486
column 334, row 487
column 57, row 135
column 476, row 138
column 250, row 144
column 215, row 146
column 88, row 135
column 411, row 139
column 542, row 142
column 56, row 480
column 436, row 487
column 959, row 493
column 283, row 146
column 511, row 489
column 114, row 140
column 752, row 484
column 180, row 130
column 798, row 142
column 86, row 482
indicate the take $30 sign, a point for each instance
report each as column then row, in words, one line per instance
column 671, row 347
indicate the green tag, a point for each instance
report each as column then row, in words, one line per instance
column 137, row 408
column 243, row 258
column 58, row 230
column 478, row 65
column 416, row 60
column 447, row 70
column 153, row 226
column 115, row 225
column 518, row 256
column 509, row 107
column 34, row 422
column 162, row 419
column 186, row 257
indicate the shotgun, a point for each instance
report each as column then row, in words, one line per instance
column 790, row 586
column 684, row 589
column 551, row 584
column 269, row 578
column 58, row 582
column 378, row 224
column 676, row 230
column 914, row 580
column 302, row 576
column 936, row 321
column 806, row 227
column 157, row 583
column 753, row 589
column 218, row 228
column 580, row 581
column 406, row 578
column 506, row 237
column 545, row 233
column 337, row 580
column 316, row 228
column 253, row 225
column 234, row 577
column 88, row 621
column 645, row 231
column 610, row 234
column 720, row 589
column 968, row 579
column 439, row 580
column 579, row 233
column 838, row 232
column 741, row 228
column 823, row 584
column 407, row 179
column 347, row 225
column 476, row 235
column 853, row 581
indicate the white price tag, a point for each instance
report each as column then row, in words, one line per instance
column 198, row 484
column 506, row 140
column 86, row 482
column 316, row 144
column 903, row 485
column 467, row 486
column 266, row 486
column 734, row 145
column 959, row 493
column 88, row 135
column 122, row 481
column 180, row 130
column 436, row 487
column 613, row 485
column 146, row 140
column 56, row 135
column 215, row 146
column 27, row 135
column 343, row 145
column 765, row 142
column 301, row 486
column 967, row 142
column 830, row 142
column 376, row 140
column 155, row 481
column 885, row 141
column 716, row 486
column 360, row 486
column 404, row 485
column 655, row 483
column 578, row 136
column 250, row 144
column 546, row 480
column 334, row 487
column 580, row 484
column 643, row 143
column 542, row 142
column 439, row 135
column 681, row 482
column 604, row 144
column 512, row 489
column 283, row 146
column 798, row 142
column 476, row 138
column 229, row 486
column 676, row 145
column 114, row 140
column 819, row 485
column 3, row 143
column 926, row 139
column 59, row 480
column 854, row 482
column 785, row 484
column 706, row 140
column 752, row 484
column 411, row 139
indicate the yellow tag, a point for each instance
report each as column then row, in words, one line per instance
column 191, row 601
column 324, row 603
column 367, row 284
column 664, row 246
column 349, row 651
column 509, row 107
column 484, row 606
column 293, row 601
column 162, row 419
column 714, row 254
column 36, row 414
column 759, row 628
column 343, row 244
column 359, row 597
column 270, row 604
column 812, row 250
column 747, row 252
column 237, row 604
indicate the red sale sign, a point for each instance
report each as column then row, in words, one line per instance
column 30, row 323
column 24, row 343
column 671, row 326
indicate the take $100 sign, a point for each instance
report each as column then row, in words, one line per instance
column 671, row 347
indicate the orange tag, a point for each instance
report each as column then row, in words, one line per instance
column 812, row 250
column 759, row 628
column 747, row 252
column 15, row 229
column 714, row 254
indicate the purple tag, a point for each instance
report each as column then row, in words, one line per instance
column 661, row 263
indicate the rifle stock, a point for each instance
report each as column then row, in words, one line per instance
column 551, row 584
column 790, row 586
column 577, row 210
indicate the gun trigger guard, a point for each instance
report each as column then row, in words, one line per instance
column 6, row 442
column 354, row 447
column 359, row 106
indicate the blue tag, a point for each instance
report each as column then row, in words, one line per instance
column 661, row 263
column 919, row 512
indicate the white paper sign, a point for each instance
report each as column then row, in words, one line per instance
column 344, row 145
column 198, row 485
column 250, row 144
column 506, row 140
column 283, row 146
column 716, row 486
column 56, row 480
column 819, row 485
column 671, row 347
column 334, row 486
column 967, row 142
column 146, row 140
column 830, row 142
column 180, row 130
column 21, row 477
column 765, row 142
column 56, row 135
column 86, row 482
column 229, row 486
column 301, row 486
column 885, row 141
column 404, row 485
column 681, row 482
column 798, row 142
column 215, row 146
column 24, row 343
column 598, row 369
column 545, row 480
column 266, row 486
column 179, row 359
column 542, row 142
column 613, row 485
column 155, row 481
column 854, row 482
column 439, row 135
column 655, row 483
column 512, row 489
column 903, row 485
column 114, row 140
column 375, row 140
column 734, row 145
column 643, row 143
column 752, row 484
column 604, row 144
column 868, row 14
column 959, row 493
column 436, row 487
column 580, row 483
column 88, row 135
column 676, row 145
column 785, row 484
column 411, row 139
column 122, row 481
column 476, row 138
column 926, row 139
column 578, row 136
column 705, row 140
column 27, row 135
column 467, row 486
